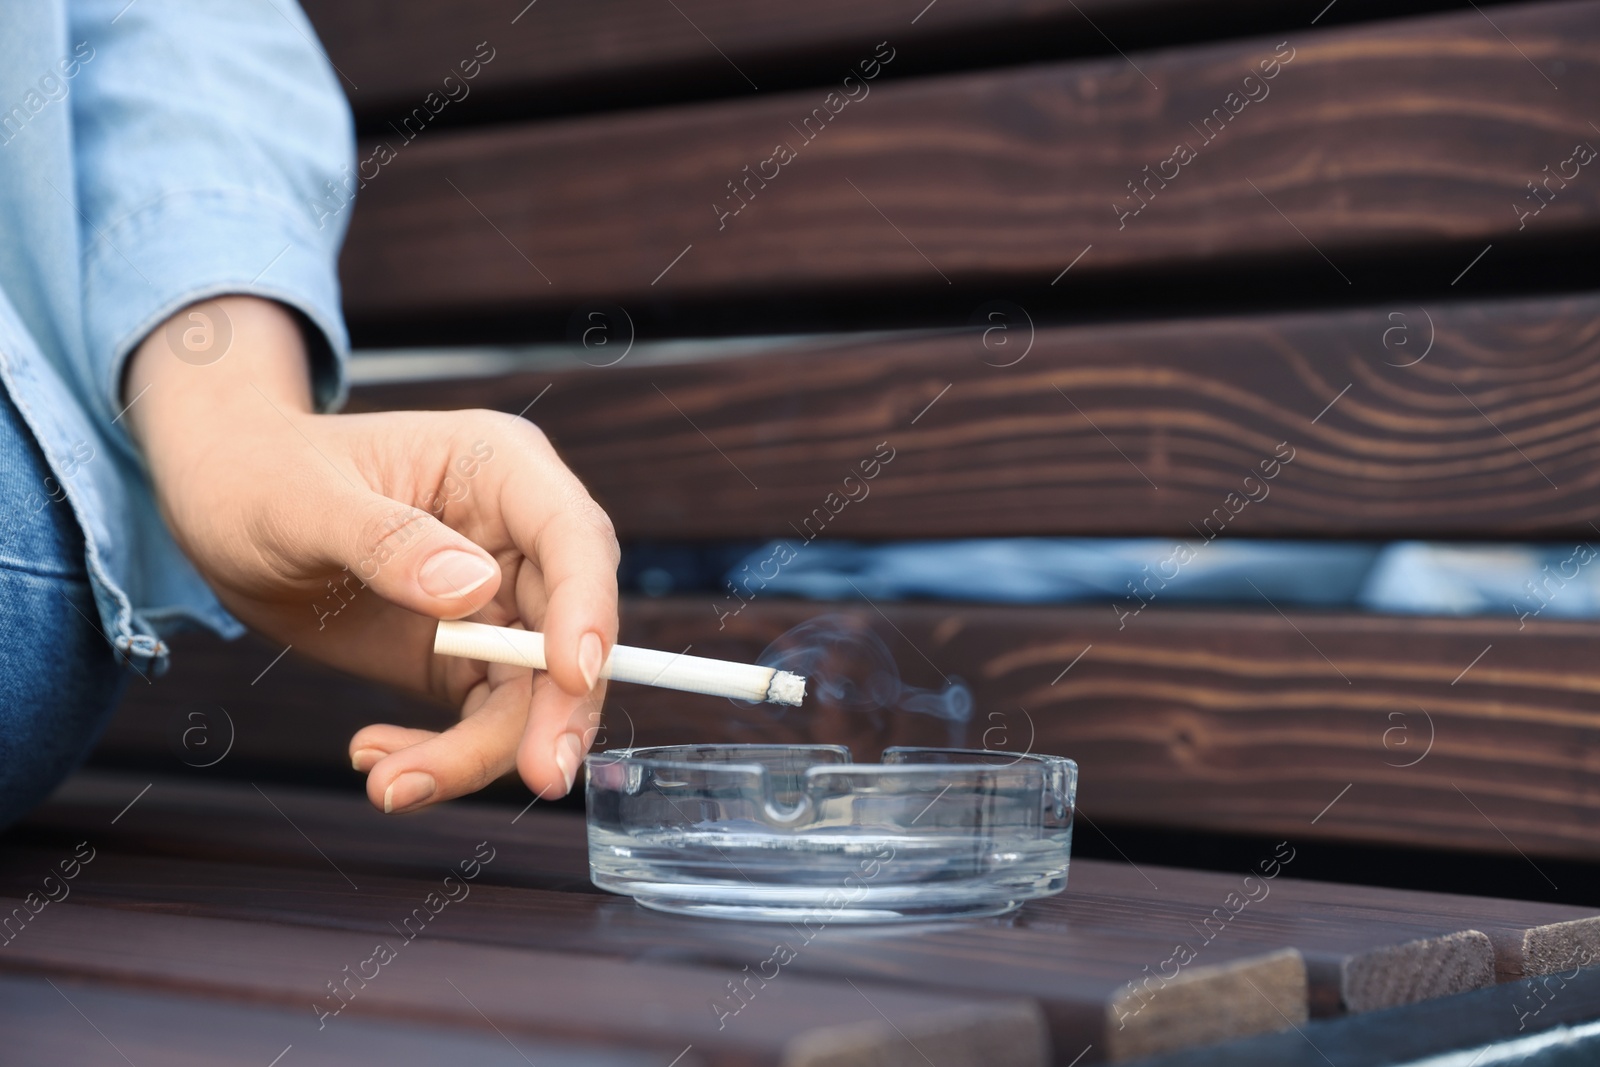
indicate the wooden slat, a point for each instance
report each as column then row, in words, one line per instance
column 1357, row 959
column 1388, row 138
column 1138, row 429
column 276, row 825
column 236, row 824
column 1082, row 955
column 1226, row 720
column 81, row 1023
column 636, row 1005
column 224, row 713
column 627, row 50
column 1219, row 720
column 1364, row 947
column 1079, row 978
column 1416, row 961
column 1419, row 1032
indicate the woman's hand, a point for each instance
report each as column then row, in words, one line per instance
column 348, row 535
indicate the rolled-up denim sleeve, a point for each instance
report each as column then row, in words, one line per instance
column 213, row 149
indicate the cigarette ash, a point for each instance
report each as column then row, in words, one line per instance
column 849, row 669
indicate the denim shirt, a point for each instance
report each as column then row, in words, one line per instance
column 154, row 153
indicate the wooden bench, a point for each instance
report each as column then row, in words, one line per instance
column 1342, row 313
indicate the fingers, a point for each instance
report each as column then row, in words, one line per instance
column 536, row 726
column 540, row 723
column 554, row 522
column 404, row 554
column 578, row 557
column 560, row 729
column 462, row 759
column 372, row 743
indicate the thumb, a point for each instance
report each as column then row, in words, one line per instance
column 410, row 558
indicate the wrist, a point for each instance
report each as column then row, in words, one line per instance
column 213, row 368
column 221, row 378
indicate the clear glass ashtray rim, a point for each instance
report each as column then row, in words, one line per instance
column 638, row 756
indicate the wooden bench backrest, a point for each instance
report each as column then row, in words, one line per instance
column 1014, row 222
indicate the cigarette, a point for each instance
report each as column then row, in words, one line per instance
column 646, row 666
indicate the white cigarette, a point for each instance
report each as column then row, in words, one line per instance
column 691, row 674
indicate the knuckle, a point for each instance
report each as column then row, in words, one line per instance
column 389, row 527
column 532, row 436
column 596, row 525
column 595, row 516
column 483, row 767
column 366, row 737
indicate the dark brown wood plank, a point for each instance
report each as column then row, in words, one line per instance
column 1357, row 959
column 1234, row 720
column 1418, row 1033
column 1082, row 955
column 222, row 713
column 397, row 53
column 1364, row 947
column 643, row 1006
column 1393, row 137
column 1138, row 429
column 1080, row 978
column 308, row 830
column 81, row 1023
column 1224, row 719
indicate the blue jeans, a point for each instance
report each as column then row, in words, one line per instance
column 60, row 678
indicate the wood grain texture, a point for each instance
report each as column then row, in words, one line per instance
column 1360, row 956
column 41, row 1023
column 220, row 711
column 1362, row 977
column 1390, row 137
column 1416, row 971
column 639, row 1005
column 276, row 825
column 1233, row 720
column 1419, row 1032
column 396, row 53
column 1550, row 949
column 1080, row 978
column 1364, row 947
column 1239, row 720
column 1080, row 957
column 1147, row 429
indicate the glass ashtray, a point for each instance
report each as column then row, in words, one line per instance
column 800, row 833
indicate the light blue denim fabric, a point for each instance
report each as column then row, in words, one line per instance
column 1047, row 570
column 153, row 154
column 1402, row 578
column 59, row 676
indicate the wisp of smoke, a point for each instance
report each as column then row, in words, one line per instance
column 847, row 666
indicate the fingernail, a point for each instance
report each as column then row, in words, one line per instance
column 454, row 573
column 569, row 753
column 590, row 657
column 408, row 790
column 364, row 759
